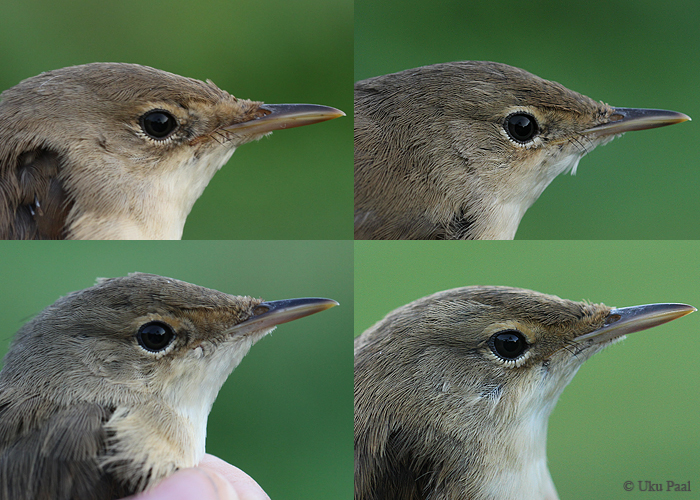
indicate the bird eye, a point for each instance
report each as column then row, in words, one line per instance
column 155, row 336
column 509, row 344
column 158, row 124
column 521, row 127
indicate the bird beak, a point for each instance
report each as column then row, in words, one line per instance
column 626, row 320
column 281, row 116
column 628, row 119
column 270, row 314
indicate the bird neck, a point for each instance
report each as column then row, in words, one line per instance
column 497, row 208
column 142, row 458
column 471, row 204
column 471, row 442
column 515, row 461
column 153, row 204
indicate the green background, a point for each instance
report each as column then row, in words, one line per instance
column 296, row 183
column 284, row 415
column 632, row 411
column 640, row 54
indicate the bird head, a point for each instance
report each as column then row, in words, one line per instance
column 475, row 144
column 455, row 389
column 122, row 151
column 152, row 351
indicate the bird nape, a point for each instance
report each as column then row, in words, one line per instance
column 461, row 150
column 453, row 391
column 121, row 151
column 108, row 390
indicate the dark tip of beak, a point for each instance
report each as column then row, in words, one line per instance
column 629, row 119
column 281, row 116
column 273, row 313
column 626, row 320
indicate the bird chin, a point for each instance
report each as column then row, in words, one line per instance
column 197, row 377
column 567, row 164
column 505, row 214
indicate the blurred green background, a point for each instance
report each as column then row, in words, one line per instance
column 296, row 183
column 640, row 54
column 284, row 415
column 631, row 413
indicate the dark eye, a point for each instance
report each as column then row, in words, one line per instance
column 158, row 124
column 509, row 344
column 155, row 336
column 521, row 127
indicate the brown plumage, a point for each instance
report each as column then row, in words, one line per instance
column 78, row 159
column 107, row 391
column 453, row 391
column 435, row 158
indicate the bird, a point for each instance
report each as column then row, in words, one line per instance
column 461, row 150
column 108, row 390
column 453, row 391
column 121, row 151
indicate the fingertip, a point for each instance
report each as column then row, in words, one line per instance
column 244, row 485
column 201, row 483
